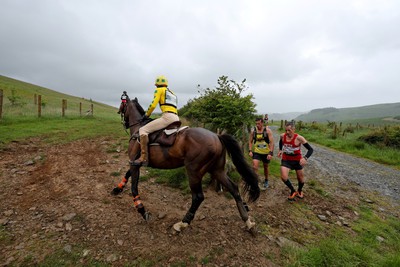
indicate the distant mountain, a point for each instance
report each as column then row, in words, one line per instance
column 347, row 114
column 284, row 116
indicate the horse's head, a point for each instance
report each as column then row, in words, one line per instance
column 131, row 112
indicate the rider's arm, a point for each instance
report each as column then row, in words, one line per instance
column 156, row 99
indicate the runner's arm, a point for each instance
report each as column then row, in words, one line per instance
column 271, row 142
column 310, row 150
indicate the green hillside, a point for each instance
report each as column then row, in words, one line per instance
column 380, row 113
column 19, row 101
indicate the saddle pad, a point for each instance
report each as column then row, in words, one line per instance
column 171, row 131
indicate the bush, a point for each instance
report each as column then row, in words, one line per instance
column 387, row 136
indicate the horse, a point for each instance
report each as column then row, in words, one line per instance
column 200, row 151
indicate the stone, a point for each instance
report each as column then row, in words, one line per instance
column 328, row 213
column 161, row 215
column 112, row 258
column 68, row 227
column 29, row 162
column 68, row 217
column 283, row 241
column 67, row 248
column 85, row 252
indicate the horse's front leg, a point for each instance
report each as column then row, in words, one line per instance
column 197, row 199
column 120, row 187
column 135, row 193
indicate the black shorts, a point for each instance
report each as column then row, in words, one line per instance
column 261, row 157
column 292, row 164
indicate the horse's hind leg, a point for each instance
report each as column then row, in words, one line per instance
column 197, row 199
column 234, row 190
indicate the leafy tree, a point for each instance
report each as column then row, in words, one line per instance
column 222, row 108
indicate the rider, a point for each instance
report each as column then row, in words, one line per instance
column 124, row 99
column 168, row 103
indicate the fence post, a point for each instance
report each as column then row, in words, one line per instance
column 91, row 109
column 1, row 103
column 39, row 106
column 80, row 109
column 64, row 106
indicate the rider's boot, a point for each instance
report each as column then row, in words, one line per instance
column 144, row 159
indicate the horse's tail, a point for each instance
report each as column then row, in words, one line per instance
column 245, row 170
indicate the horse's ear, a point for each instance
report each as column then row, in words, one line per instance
column 136, row 99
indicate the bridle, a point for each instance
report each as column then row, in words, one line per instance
column 126, row 124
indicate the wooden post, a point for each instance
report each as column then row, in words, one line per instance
column 91, row 109
column 39, row 106
column 335, row 131
column 80, row 109
column 1, row 103
column 63, row 108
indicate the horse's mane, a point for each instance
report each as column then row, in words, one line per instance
column 138, row 106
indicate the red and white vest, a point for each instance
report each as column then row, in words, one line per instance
column 290, row 150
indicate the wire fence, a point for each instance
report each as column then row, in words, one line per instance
column 39, row 106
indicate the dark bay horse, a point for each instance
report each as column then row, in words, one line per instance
column 200, row 151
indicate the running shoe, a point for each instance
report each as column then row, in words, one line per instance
column 300, row 194
column 266, row 184
column 292, row 195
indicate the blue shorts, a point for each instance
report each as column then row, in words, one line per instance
column 292, row 164
column 261, row 157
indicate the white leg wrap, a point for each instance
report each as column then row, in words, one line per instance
column 250, row 224
column 180, row 226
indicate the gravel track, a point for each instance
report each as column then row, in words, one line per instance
column 343, row 167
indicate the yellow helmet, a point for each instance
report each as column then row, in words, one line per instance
column 161, row 81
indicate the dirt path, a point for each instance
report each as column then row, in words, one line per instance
column 55, row 199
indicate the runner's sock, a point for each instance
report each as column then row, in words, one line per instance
column 289, row 184
column 300, row 187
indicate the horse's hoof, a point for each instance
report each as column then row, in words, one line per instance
column 180, row 226
column 147, row 216
column 250, row 224
column 116, row 191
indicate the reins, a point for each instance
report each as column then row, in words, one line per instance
column 134, row 136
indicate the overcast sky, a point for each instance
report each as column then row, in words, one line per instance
column 296, row 55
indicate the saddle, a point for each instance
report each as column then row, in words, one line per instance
column 166, row 136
